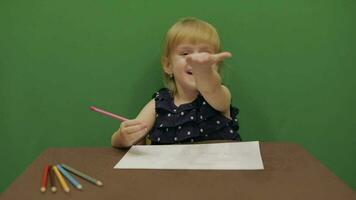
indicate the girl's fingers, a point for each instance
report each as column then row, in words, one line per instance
column 198, row 57
column 136, row 135
column 130, row 123
column 207, row 58
column 134, row 128
column 139, row 135
column 221, row 56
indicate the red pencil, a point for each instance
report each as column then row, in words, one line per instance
column 44, row 179
column 93, row 108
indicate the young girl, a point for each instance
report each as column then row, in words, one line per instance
column 194, row 106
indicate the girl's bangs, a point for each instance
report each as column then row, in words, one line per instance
column 195, row 35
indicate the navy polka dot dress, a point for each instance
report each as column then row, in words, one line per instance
column 190, row 122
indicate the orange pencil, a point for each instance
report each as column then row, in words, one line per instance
column 44, row 179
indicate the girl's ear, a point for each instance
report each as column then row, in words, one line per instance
column 167, row 66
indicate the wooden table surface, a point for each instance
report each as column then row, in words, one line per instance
column 290, row 173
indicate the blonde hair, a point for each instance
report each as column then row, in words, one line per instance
column 190, row 30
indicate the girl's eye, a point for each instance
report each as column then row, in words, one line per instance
column 184, row 53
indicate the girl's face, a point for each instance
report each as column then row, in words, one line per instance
column 182, row 72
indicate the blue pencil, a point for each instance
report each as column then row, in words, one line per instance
column 70, row 178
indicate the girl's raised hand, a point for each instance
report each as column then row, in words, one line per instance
column 201, row 61
column 131, row 131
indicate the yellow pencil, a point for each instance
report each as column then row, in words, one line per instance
column 61, row 179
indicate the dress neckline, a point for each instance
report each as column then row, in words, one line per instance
column 183, row 104
column 165, row 93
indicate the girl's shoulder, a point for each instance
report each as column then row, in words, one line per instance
column 163, row 93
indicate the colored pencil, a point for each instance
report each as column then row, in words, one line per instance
column 51, row 179
column 44, row 179
column 70, row 178
column 61, row 179
column 82, row 175
column 93, row 108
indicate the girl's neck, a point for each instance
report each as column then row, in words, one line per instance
column 183, row 96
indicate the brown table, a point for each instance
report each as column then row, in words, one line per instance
column 290, row 173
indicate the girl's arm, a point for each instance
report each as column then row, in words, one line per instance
column 208, row 80
column 130, row 131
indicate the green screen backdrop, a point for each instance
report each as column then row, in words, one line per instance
column 292, row 73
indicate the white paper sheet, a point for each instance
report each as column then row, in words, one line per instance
column 218, row 156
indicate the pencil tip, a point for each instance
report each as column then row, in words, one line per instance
column 67, row 190
column 54, row 189
column 99, row 183
column 79, row 187
column 43, row 189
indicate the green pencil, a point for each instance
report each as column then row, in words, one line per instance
column 82, row 175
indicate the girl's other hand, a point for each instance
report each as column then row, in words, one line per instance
column 131, row 131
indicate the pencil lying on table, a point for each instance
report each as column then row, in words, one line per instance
column 51, row 179
column 70, row 178
column 93, row 108
column 61, row 179
column 82, row 175
column 44, row 179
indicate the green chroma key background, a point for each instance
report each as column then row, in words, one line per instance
column 291, row 74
